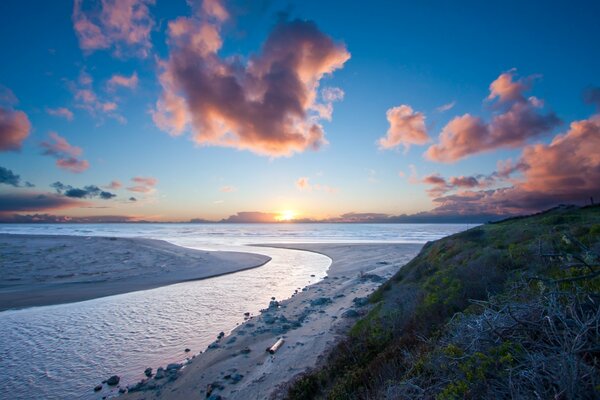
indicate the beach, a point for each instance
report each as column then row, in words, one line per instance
column 237, row 366
column 39, row 270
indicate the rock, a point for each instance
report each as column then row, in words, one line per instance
column 215, row 397
column 320, row 301
column 312, row 275
column 148, row 372
column 160, row 373
column 97, row 388
column 113, row 380
column 213, row 346
column 187, row 350
column 337, row 296
column 350, row 314
column 272, row 298
column 246, row 314
column 122, row 390
column 245, row 350
column 372, row 278
column 221, row 335
column 235, row 378
column 231, row 340
column 273, row 304
column 269, row 319
column 360, row 301
column 174, row 367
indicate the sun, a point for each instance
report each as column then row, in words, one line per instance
column 286, row 216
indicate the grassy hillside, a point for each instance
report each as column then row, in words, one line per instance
column 504, row 310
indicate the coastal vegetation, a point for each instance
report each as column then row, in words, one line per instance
column 503, row 310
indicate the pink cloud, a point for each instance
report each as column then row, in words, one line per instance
column 446, row 107
column 506, row 89
column 567, row 170
column 123, row 25
column 130, row 82
column 407, row 127
column 144, row 184
column 14, row 129
column 227, row 189
column 267, row 105
column 66, row 155
column 61, row 112
column 114, row 185
column 520, row 122
column 303, row 184
column 88, row 100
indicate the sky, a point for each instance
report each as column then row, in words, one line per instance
column 266, row 111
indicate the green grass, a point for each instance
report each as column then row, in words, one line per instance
column 410, row 312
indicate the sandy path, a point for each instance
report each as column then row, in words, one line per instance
column 238, row 367
column 38, row 270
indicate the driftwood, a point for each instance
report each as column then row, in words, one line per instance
column 276, row 346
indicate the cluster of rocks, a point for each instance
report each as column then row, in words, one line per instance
column 170, row 373
column 112, row 381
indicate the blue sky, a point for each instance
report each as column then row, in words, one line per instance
column 420, row 54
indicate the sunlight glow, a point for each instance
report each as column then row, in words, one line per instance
column 287, row 215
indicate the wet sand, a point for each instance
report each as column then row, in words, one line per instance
column 38, row 270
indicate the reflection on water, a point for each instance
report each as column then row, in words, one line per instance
column 63, row 351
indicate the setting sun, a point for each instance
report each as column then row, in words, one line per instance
column 287, row 215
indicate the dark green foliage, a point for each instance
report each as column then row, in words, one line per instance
column 401, row 340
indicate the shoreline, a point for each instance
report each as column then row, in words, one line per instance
column 311, row 321
column 42, row 270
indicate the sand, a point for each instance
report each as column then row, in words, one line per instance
column 37, row 270
column 311, row 322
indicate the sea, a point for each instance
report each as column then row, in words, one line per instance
column 63, row 351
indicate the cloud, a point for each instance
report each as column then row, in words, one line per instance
column 88, row 192
column 144, row 184
column 227, row 189
column 61, row 112
column 67, row 156
column 251, row 217
column 121, row 25
column 8, row 177
column 567, row 170
column 440, row 185
column 446, row 107
column 87, row 99
column 113, row 185
column 117, row 80
column 508, row 89
column 49, row 218
column 303, row 184
column 14, row 124
column 407, row 127
column 35, row 202
column 519, row 121
column 267, row 104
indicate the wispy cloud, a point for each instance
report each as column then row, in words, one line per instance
column 66, row 155
column 62, row 112
column 446, row 107
column 121, row 25
column 117, row 80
